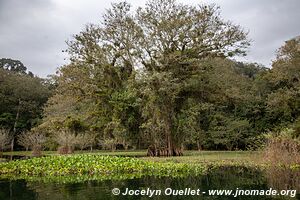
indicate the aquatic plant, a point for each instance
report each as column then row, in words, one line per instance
column 95, row 165
column 86, row 167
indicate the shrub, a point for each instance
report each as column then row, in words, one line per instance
column 66, row 140
column 283, row 148
column 85, row 140
column 5, row 139
column 24, row 140
column 107, row 144
column 33, row 140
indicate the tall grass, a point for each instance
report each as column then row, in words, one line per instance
column 282, row 148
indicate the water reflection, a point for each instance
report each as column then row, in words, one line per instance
column 226, row 178
column 283, row 179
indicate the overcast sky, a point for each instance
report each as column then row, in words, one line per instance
column 35, row 31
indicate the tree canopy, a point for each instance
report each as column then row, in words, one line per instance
column 22, row 97
column 162, row 77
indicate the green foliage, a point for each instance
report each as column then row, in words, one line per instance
column 161, row 77
column 229, row 132
column 104, row 167
column 286, row 133
column 13, row 65
column 22, row 95
column 283, row 81
column 182, row 76
column 74, row 125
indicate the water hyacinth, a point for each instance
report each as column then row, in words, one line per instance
column 95, row 165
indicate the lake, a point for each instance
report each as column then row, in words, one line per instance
column 224, row 178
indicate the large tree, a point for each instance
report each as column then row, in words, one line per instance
column 179, row 47
column 145, row 66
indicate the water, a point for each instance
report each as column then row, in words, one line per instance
column 227, row 178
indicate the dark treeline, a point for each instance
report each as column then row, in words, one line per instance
column 22, row 96
column 163, row 78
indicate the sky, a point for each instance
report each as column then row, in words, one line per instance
column 35, row 31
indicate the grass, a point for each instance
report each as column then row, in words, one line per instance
column 208, row 156
column 138, row 153
column 142, row 153
column 190, row 157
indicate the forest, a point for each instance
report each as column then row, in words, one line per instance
column 165, row 77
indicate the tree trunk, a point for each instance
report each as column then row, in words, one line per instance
column 150, row 151
column 12, row 143
column 37, row 151
column 168, row 136
column 126, row 147
column 157, row 152
column 199, row 146
column 15, row 127
column 139, row 144
column 170, row 148
column 113, row 148
column 70, row 149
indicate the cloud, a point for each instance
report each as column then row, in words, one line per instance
column 35, row 31
column 270, row 24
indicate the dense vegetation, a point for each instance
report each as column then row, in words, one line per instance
column 161, row 78
column 87, row 167
column 22, row 96
column 104, row 167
